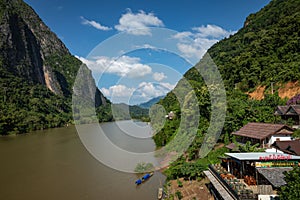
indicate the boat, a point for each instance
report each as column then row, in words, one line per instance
column 144, row 178
column 160, row 193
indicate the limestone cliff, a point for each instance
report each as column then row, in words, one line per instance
column 37, row 72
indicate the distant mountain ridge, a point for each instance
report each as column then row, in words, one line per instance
column 37, row 73
column 122, row 111
column 151, row 102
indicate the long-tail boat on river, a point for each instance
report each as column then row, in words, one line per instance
column 144, row 178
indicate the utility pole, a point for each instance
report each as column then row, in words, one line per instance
column 272, row 92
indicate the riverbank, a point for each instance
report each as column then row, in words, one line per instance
column 188, row 190
column 186, row 179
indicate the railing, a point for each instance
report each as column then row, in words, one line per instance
column 232, row 184
column 218, row 176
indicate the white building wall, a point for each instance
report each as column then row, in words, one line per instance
column 273, row 150
column 266, row 197
column 280, row 138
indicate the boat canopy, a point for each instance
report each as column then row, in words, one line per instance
column 146, row 176
column 139, row 181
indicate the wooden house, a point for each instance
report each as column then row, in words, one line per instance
column 289, row 112
column 289, row 147
column 263, row 133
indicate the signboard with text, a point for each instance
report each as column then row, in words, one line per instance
column 276, row 157
column 276, row 164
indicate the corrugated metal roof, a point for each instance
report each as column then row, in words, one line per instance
column 261, row 156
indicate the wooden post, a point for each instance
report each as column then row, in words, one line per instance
column 241, row 169
column 272, row 92
column 228, row 167
column 256, row 176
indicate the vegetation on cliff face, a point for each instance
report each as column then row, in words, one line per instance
column 37, row 73
column 265, row 50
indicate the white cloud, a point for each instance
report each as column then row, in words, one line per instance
column 148, row 90
column 146, row 46
column 92, row 65
column 159, row 76
column 124, row 66
column 144, row 92
column 167, row 86
column 212, row 31
column 117, row 91
column 183, row 35
column 95, row 24
column 200, row 39
column 129, row 67
column 196, row 48
column 189, row 49
column 138, row 23
column 105, row 92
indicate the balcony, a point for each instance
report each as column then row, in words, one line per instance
column 237, row 188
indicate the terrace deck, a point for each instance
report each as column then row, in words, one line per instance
column 223, row 192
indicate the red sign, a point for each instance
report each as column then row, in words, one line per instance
column 276, row 157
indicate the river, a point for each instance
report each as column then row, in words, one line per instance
column 54, row 164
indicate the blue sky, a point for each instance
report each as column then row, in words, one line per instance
column 131, row 62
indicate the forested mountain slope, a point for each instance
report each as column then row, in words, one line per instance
column 266, row 50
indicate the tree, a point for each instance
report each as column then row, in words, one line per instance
column 144, row 167
column 248, row 147
column 291, row 190
column 296, row 133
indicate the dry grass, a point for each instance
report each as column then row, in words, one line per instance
column 191, row 189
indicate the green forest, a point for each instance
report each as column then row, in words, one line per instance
column 264, row 52
column 26, row 107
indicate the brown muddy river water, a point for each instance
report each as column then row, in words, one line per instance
column 54, row 164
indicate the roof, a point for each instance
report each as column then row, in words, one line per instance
column 291, row 147
column 263, row 156
column 296, row 108
column 231, row 146
column 281, row 110
column 288, row 110
column 263, row 130
column 278, row 180
column 293, row 110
